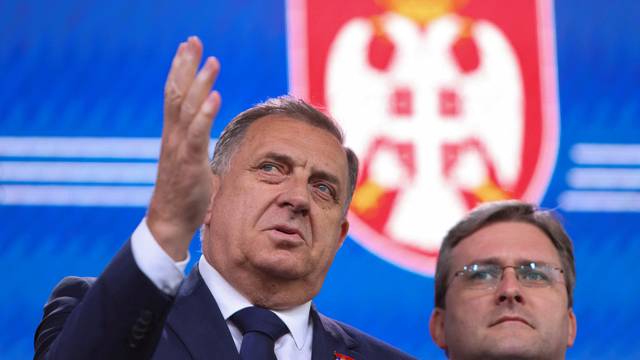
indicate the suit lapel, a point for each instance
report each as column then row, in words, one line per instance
column 196, row 320
column 329, row 338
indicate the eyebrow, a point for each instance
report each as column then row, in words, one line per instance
column 498, row 261
column 487, row 261
column 279, row 157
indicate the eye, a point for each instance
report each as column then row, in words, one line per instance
column 533, row 276
column 268, row 167
column 271, row 172
column 482, row 273
column 325, row 189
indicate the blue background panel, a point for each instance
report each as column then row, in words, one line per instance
column 96, row 69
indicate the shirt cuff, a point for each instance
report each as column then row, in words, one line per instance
column 154, row 262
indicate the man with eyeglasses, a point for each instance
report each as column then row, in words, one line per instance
column 504, row 285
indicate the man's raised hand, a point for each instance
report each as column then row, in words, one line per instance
column 184, row 182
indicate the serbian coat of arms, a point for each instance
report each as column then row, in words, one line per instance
column 447, row 103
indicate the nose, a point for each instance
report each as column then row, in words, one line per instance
column 295, row 197
column 509, row 289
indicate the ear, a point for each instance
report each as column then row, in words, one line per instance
column 436, row 328
column 573, row 328
column 344, row 230
column 215, row 186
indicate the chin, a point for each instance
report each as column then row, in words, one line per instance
column 510, row 348
column 283, row 267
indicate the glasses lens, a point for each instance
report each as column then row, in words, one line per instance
column 480, row 276
column 535, row 275
column 485, row 276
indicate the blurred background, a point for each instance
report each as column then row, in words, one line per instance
column 81, row 86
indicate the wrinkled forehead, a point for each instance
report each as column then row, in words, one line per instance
column 298, row 139
column 287, row 129
column 279, row 121
column 507, row 243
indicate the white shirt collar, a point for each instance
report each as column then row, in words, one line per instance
column 230, row 300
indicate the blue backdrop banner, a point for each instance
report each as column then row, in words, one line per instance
column 538, row 100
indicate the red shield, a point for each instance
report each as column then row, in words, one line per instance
column 448, row 103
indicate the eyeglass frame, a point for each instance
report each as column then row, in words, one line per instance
column 523, row 265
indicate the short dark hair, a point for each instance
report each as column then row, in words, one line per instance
column 505, row 211
column 291, row 107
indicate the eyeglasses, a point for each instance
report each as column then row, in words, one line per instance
column 488, row 276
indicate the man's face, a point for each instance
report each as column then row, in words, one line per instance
column 278, row 211
column 509, row 321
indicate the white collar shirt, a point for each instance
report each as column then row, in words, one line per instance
column 296, row 344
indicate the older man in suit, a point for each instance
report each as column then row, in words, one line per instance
column 272, row 206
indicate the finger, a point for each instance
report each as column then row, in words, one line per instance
column 200, row 129
column 171, row 92
column 183, row 69
column 199, row 90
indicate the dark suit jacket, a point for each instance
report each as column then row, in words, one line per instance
column 123, row 315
